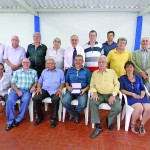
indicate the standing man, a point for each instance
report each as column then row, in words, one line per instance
column 36, row 52
column 109, row 44
column 104, row 87
column 141, row 59
column 50, row 85
column 2, row 47
column 118, row 57
column 72, row 51
column 23, row 83
column 13, row 55
column 82, row 76
column 92, row 51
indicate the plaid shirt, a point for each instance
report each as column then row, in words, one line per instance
column 5, row 84
column 24, row 80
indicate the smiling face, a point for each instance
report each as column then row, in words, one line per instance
column 102, row 64
column 145, row 43
column 26, row 63
column 57, row 43
column 74, row 41
column 121, row 44
column 50, row 64
column 78, row 62
column 129, row 69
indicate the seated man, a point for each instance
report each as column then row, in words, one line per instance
column 23, row 84
column 104, row 87
column 77, row 74
column 50, row 85
column 5, row 81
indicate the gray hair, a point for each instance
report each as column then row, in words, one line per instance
column 144, row 38
column 103, row 57
column 38, row 33
column 51, row 59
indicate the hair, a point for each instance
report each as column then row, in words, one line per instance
column 144, row 38
column 128, row 63
column 103, row 57
column 2, row 65
column 93, row 31
column 57, row 39
column 74, row 35
column 79, row 56
column 122, row 39
column 37, row 33
column 51, row 59
column 111, row 32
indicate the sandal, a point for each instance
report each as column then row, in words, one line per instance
column 134, row 128
column 142, row 129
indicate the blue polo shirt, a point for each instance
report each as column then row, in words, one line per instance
column 51, row 80
column 107, row 47
column 82, row 76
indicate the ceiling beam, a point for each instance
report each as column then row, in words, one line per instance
column 25, row 6
column 145, row 10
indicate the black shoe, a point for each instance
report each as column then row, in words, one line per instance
column 38, row 121
column 110, row 127
column 53, row 123
column 15, row 123
column 77, row 119
column 8, row 127
column 71, row 118
column 96, row 132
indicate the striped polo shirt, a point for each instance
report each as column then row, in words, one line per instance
column 91, row 55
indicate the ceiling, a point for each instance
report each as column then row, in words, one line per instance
column 40, row 6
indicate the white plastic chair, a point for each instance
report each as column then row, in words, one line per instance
column 75, row 103
column 46, row 101
column 128, row 110
column 105, row 106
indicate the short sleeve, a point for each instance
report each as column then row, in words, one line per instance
column 14, row 78
column 121, row 83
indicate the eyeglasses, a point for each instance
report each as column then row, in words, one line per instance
column 25, row 62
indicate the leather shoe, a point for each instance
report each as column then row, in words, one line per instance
column 96, row 132
column 110, row 127
column 38, row 121
column 15, row 123
column 8, row 127
column 53, row 123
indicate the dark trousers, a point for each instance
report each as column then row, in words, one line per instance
column 37, row 99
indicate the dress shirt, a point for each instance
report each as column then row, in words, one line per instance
column 51, row 80
column 117, row 61
column 24, row 80
column 58, row 56
column 69, row 56
column 5, row 82
column 2, row 47
column 14, row 55
column 82, row 76
column 108, row 47
column 105, row 83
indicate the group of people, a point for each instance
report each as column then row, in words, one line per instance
column 104, row 69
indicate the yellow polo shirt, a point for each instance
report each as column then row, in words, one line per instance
column 105, row 83
column 117, row 61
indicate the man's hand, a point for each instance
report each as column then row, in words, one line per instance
column 32, row 89
column 83, row 91
column 94, row 96
column 58, row 93
column 14, row 68
column 19, row 93
column 69, row 88
column 38, row 91
column 111, row 100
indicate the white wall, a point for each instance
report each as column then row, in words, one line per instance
column 63, row 25
column 21, row 24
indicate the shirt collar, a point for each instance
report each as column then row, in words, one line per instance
column 106, row 70
column 24, row 71
column 54, row 69
column 109, row 44
column 40, row 44
column 15, row 48
column 144, row 50
column 117, row 51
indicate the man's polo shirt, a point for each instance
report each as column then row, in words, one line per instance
column 117, row 61
column 108, row 47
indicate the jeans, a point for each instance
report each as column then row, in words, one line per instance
column 82, row 103
column 11, row 101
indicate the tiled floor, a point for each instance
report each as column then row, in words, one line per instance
column 69, row 136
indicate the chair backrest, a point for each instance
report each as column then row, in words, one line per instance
column 146, row 90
